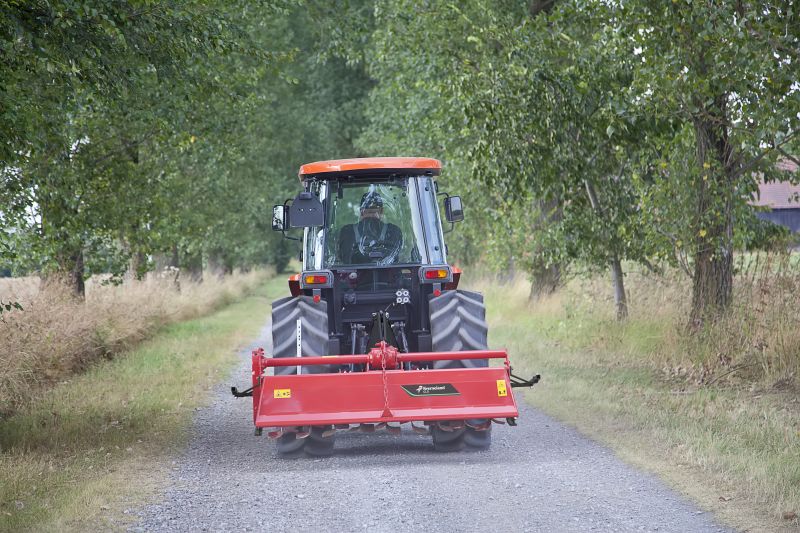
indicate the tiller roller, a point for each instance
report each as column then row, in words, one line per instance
column 376, row 333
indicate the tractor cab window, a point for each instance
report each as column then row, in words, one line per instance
column 380, row 223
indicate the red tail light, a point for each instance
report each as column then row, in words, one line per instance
column 316, row 279
column 436, row 273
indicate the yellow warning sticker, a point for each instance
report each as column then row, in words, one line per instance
column 283, row 393
column 501, row 388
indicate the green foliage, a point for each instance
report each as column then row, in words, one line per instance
column 585, row 132
column 5, row 307
column 141, row 133
column 580, row 133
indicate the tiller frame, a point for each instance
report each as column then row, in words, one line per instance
column 385, row 389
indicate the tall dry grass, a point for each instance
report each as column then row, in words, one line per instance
column 756, row 342
column 760, row 337
column 55, row 335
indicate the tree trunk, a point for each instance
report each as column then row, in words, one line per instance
column 193, row 265
column 712, row 280
column 545, row 281
column 70, row 272
column 166, row 267
column 175, row 267
column 281, row 254
column 76, row 277
column 545, row 278
column 137, row 266
column 618, row 281
column 56, row 213
column 615, row 265
column 175, row 260
column 537, row 6
column 509, row 274
column 216, row 265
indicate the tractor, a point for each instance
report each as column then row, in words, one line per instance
column 376, row 332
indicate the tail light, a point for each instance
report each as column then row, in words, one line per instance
column 439, row 273
column 436, row 274
column 316, row 280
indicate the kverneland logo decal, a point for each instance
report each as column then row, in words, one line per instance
column 433, row 389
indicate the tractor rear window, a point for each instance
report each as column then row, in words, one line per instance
column 371, row 223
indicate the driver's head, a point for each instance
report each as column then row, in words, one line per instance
column 371, row 206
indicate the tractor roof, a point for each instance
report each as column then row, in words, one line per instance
column 366, row 165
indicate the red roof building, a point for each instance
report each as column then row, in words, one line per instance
column 783, row 199
column 779, row 194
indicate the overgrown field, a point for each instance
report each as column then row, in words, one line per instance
column 56, row 336
column 81, row 452
column 717, row 414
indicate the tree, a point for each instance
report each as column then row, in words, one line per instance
column 531, row 97
column 725, row 74
column 76, row 72
column 646, row 122
column 133, row 111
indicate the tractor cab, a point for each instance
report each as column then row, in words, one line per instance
column 372, row 242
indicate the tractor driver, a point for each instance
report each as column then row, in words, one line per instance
column 370, row 240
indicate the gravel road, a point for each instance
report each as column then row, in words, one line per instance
column 539, row 476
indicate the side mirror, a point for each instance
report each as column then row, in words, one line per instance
column 306, row 211
column 278, row 218
column 453, row 211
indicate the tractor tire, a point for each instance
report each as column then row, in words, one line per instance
column 316, row 444
column 289, row 446
column 458, row 323
column 457, row 440
column 314, row 325
column 447, row 441
column 478, row 440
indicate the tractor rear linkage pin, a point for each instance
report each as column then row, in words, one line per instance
column 249, row 392
column 517, row 381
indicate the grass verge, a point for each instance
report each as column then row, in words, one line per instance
column 56, row 336
column 83, row 451
column 734, row 449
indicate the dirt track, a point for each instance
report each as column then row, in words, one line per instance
column 539, row 476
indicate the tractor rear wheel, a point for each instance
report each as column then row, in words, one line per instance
column 290, row 446
column 458, row 323
column 313, row 319
column 316, row 444
column 478, row 440
column 458, row 439
column 447, row 441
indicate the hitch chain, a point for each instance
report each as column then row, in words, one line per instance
column 386, row 411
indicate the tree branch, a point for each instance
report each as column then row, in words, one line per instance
column 753, row 162
column 786, row 154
